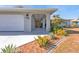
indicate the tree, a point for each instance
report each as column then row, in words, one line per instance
column 57, row 28
column 56, row 24
column 57, row 20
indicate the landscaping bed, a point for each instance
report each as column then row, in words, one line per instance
column 34, row 47
column 70, row 45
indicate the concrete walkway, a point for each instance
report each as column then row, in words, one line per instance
column 16, row 38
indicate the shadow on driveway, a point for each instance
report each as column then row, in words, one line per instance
column 15, row 33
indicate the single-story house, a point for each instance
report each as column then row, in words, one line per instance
column 69, row 22
column 23, row 19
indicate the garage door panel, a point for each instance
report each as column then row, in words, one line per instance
column 11, row 23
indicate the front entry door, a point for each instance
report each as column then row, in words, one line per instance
column 38, row 24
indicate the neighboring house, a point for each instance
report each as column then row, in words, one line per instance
column 75, row 22
column 69, row 22
column 23, row 19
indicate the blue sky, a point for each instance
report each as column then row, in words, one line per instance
column 65, row 11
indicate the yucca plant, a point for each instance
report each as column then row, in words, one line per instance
column 42, row 41
column 9, row 49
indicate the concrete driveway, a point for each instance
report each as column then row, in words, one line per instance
column 15, row 38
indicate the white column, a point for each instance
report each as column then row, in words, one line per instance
column 30, row 23
column 33, row 23
column 47, row 22
column 43, row 23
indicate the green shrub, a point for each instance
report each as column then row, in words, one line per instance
column 68, row 31
column 52, row 36
column 42, row 41
column 66, row 34
column 9, row 49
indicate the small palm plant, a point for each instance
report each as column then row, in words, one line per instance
column 9, row 49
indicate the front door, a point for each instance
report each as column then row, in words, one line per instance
column 38, row 23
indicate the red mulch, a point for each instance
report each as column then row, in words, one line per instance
column 33, row 47
column 71, row 45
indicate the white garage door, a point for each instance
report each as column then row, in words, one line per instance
column 11, row 23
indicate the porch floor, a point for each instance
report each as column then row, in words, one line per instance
column 39, row 31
